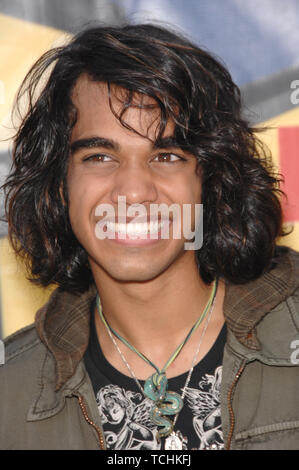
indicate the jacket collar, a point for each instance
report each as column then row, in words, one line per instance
column 63, row 326
column 245, row 305
column 63, row 323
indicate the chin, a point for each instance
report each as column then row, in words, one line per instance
column 137, row 269
column 134, row 275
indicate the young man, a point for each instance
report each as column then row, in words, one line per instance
column 146, row 343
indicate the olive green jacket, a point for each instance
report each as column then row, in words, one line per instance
column 47, row 400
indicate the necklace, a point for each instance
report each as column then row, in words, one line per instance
column 173, row 441
column 166, row 402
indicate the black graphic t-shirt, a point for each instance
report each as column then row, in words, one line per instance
column 125, row 411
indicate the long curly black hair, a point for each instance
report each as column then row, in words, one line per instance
column 240, row 190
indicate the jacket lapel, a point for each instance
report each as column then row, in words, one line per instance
column 63, row 326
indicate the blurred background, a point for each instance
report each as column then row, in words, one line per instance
column 258, row 40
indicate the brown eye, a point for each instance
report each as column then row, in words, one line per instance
column 168, row 158
column 98, row 157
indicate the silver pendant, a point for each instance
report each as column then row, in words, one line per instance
column 173, row 442
column 213, row 446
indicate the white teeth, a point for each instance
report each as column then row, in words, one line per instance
column 134, row 228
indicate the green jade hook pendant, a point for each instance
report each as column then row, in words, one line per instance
column 165, row 403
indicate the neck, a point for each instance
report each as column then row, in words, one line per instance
column 148, row 313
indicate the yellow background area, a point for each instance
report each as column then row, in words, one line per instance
column 20, row 45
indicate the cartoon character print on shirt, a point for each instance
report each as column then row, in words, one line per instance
column 125, row 416
column 205, row 405
column 126, row 419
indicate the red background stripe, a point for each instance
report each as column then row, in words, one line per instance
column 288, row 138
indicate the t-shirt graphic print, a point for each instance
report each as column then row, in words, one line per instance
column 125, row 411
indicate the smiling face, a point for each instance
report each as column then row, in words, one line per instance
column 115, row 412
column 108, row 161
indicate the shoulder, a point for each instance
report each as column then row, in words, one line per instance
column 20, row 384
column 19, row 342
column 23, row 353
column 20, row 345
column 282, row 321
column 278, row 332
column 263, row 315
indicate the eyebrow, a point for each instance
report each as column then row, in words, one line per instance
column 94, row 142
column 97, row 141
column 165, row 143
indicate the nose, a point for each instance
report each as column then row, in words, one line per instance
column 136, row 183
